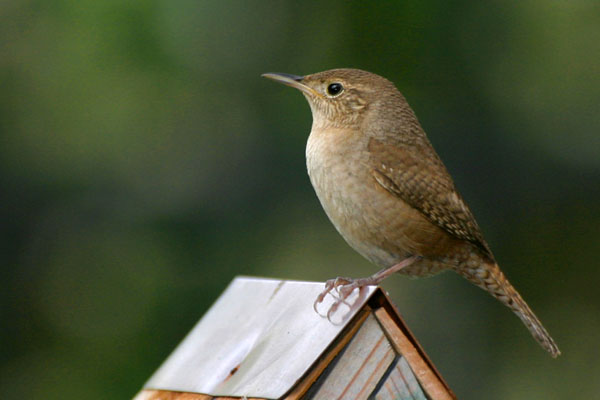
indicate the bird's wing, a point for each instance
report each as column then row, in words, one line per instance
column 424, row 183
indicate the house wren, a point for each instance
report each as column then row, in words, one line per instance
column 387, row 192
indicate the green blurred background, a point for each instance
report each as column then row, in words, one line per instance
column 144, row 163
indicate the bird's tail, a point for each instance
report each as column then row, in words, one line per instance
column 490, row 278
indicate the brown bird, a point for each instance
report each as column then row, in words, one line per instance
column 387, row 192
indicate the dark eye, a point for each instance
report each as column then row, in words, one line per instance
column 334, row 89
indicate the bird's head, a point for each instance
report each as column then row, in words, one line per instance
column 339, row 97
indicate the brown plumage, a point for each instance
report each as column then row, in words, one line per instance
column 387, row 192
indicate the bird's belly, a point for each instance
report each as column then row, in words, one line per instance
column 360, row 224
column 352, row 201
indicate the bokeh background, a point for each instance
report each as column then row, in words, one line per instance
column 144, row 163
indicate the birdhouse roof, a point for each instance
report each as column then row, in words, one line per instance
column 262, row 337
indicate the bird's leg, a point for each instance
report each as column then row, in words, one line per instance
column 345, row 286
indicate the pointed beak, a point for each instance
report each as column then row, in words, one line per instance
column 294, row 81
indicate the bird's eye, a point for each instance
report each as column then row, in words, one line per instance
column 334, row 89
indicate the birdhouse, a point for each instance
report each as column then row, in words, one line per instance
column 263, row 340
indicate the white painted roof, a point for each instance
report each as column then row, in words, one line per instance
column 257, row 340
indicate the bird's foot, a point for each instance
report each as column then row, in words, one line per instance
column 343, row 288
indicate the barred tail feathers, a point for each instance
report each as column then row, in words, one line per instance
column 490, row 278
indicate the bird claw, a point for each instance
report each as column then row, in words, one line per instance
column 343, row 288
column 329, row 286
column 346, row 290
column 332, row 310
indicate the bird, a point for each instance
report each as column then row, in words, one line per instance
column 388, row 193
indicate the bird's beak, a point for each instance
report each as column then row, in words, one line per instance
column 294, row 81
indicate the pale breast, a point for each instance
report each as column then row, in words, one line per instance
column 338, row 170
